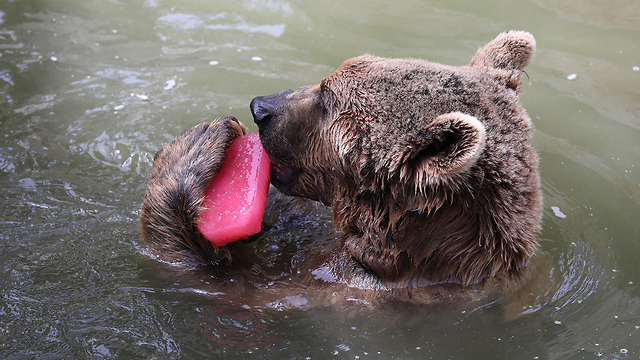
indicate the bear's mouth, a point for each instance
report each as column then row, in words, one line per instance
column 283, row 175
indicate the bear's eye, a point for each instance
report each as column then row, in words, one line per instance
column 326, row 97
column 323, row 87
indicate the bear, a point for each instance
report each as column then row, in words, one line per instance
column 427, row 170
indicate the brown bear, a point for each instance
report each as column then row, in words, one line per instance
column 427, row 168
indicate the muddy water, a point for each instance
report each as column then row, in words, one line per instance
column 89, row 90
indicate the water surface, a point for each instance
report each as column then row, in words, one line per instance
column 90, row 90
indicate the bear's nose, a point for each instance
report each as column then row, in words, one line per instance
column 264, row 107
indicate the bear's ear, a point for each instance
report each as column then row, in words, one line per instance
column 512, row 50
column 447, row 147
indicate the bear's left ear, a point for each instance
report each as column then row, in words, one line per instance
column 509, row 51
column 447, row 147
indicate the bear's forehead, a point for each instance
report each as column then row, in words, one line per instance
column 369, row 72
column 380, row 84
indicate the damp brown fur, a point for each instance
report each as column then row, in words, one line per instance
column 428, row 170
column 181, row 173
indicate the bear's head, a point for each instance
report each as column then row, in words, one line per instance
column 428, row 167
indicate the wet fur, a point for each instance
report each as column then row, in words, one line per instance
column 428, row 170
column 181, row 173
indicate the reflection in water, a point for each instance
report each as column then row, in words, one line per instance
column 582, row 275
column 224, row 21
column 234, row 325
column 547, row 143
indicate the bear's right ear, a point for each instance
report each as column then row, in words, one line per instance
column 447, row 147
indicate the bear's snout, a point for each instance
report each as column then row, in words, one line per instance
column 263, row 108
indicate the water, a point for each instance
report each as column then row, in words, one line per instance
column 89, row 90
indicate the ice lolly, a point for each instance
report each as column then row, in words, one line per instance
column 235, row 200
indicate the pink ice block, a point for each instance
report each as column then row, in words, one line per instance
column 235, row 200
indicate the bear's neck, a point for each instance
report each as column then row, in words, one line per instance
column 452, row 244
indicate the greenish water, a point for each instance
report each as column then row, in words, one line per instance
column 90, row 90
